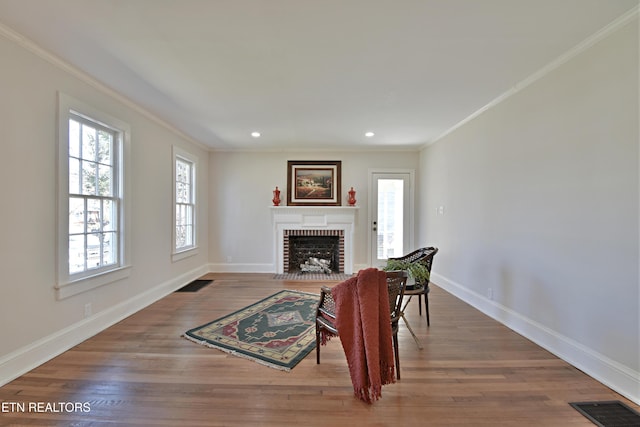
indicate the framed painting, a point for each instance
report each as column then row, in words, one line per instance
column 313, row 183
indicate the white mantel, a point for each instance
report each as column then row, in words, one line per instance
column 314, row 218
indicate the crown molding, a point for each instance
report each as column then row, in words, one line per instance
column 60, row 63
column 547, row 69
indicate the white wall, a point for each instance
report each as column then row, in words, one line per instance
column 540, row 197
column 241, row 190
column 36, row 325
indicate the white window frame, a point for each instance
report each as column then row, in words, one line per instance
column 185, row 251
column 72, row 284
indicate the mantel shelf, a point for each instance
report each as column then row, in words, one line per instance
column 313, row 207
column 314, row 218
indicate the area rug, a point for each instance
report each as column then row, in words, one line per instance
column 278, row 331
column 318, row 277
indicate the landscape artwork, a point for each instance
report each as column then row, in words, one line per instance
column 313, row 183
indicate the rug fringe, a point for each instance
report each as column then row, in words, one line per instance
column 236, row 354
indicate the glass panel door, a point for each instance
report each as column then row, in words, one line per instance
column 390, row 216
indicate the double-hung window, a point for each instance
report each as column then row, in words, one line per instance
column 184, row 192
column 91, row 192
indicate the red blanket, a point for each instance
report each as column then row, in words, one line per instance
column 364, row 324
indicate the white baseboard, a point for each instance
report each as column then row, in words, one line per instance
column 33, row 355
column 241, row 268
column 614, row 375
column 258, row 268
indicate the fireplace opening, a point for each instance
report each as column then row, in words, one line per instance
column 314, row 251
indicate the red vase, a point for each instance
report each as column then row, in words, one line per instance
column 352, row 197
column 276, row 197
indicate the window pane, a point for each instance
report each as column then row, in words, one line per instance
column 93, row 250
column 181, row 236
column 74, row 138
column 184, row 215
column 94, row 196
column 108, row 249
column 390, row 218
column 188, row 235
column 104, row 147
column 76, row 215
column 94, row 215
column 89, row 178
column 74, row 176
column 76, row 254
column 184, row 197
column 182, row 171
column 88, row 143
column 180, row 215
column 182, row 194
column 105, row 181
column 108, row 216
column 188, row 215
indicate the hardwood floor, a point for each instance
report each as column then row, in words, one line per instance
column 472, row 371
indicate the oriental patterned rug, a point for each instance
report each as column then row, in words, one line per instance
column 278, row 331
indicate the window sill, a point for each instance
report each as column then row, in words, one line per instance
column 66, row 290
column 177, row 256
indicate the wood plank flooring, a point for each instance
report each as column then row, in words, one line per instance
column 140, row 372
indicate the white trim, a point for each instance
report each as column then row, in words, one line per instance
column 66, row 290
column 66, row 285
column 412, row 208
column 544, row 71
column 618, row 377
column 314, row 218
column 241, row 268
column 182, row 253
column 33, row 355
column 58, row 62
column 192, row 251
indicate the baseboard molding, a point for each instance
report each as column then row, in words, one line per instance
column 35, row 354
column 241, row 268
column 620, row 378
column 257, row 268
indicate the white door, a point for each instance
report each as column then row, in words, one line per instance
column 391, row 222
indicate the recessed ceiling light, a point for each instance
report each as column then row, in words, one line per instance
column 369, row 134
column 255, row 134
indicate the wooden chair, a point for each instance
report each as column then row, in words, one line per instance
column 325, row 314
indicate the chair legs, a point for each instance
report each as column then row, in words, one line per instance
column 396, row 355
column 317, row 345
column 426, row 306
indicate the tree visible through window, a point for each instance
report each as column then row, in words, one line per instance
column 184, row 204
column 93, row 190
column 94, row 202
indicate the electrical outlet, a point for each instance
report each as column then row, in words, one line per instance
column 88, row 310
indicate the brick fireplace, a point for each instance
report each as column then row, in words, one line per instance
column 299, row 245
column 326, row 223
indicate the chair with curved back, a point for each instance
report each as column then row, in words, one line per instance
column 325, row 314
column 424, row 256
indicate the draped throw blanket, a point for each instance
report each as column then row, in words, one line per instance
column 363, row 321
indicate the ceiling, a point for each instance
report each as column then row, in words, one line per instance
column 310, row 74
